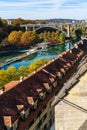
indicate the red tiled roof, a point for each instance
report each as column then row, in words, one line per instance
column 10, row 85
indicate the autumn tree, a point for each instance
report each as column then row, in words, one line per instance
column 52, row 37
column 14, row 37
column 41, row 37
column 17, row 21
column 40, row 22
column 28, row 37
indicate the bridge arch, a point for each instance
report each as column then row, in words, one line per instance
column 51, row 27
column 46, row 28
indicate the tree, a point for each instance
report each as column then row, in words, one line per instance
column 78, row 33
column 28, row 37
column 40, row 22
column 83, row 31
column 1, row 23
column 74, row 35
column 4, row 22
column 41, row 36
column 1, row 33
column 17, row 21
column 3, row 78
column 45, row 35
column 22, row 71
column 38, row 63
column 11, row 73
column 62, row 37
column 72, row 29
column 5, row 42
column 14, row 37
column 19, row 35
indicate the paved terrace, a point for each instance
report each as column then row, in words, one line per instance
column 22, row 103
column 71, row 113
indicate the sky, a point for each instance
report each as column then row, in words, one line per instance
column 43, row 9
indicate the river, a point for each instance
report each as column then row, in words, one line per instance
column 50, row 52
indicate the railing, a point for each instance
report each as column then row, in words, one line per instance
column 74, row 105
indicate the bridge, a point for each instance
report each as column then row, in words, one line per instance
column 54, row 26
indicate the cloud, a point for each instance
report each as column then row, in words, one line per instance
column 31, row 3
column 43, row 8
column 74, row 4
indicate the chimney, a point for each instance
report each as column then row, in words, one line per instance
column 44, row 64
column 21, row 110
column 34, row 71
column 20, row 107
column 70, row 51
column 21, row 78
column 41, row 93
column 1, row 91
column 47, row 87
column 30, row 100
column 32, row 103
column 7, row 122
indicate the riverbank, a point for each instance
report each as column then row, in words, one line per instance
column 28, row 52
column 44, row 49
column 18, row 58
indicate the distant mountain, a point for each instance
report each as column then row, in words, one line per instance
column 61, row 20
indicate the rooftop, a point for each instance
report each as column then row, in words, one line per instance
column 27, row 94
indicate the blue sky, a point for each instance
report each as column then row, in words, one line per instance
column 43, row 9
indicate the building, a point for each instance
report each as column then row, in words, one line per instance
column 26, row 105
column 9, row 21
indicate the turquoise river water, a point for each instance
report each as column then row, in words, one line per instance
column 50, row 52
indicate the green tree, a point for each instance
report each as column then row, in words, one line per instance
column 5, row 42
column 45, row 35
column 22, row 71
column 62, row 37
column 72, row 29
column 74, row 35
column 11, row 73
column 38, row 63
column 1, row 23
column 83, row 31
column 4, row 22
column 3, row 78
column 78, row 33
